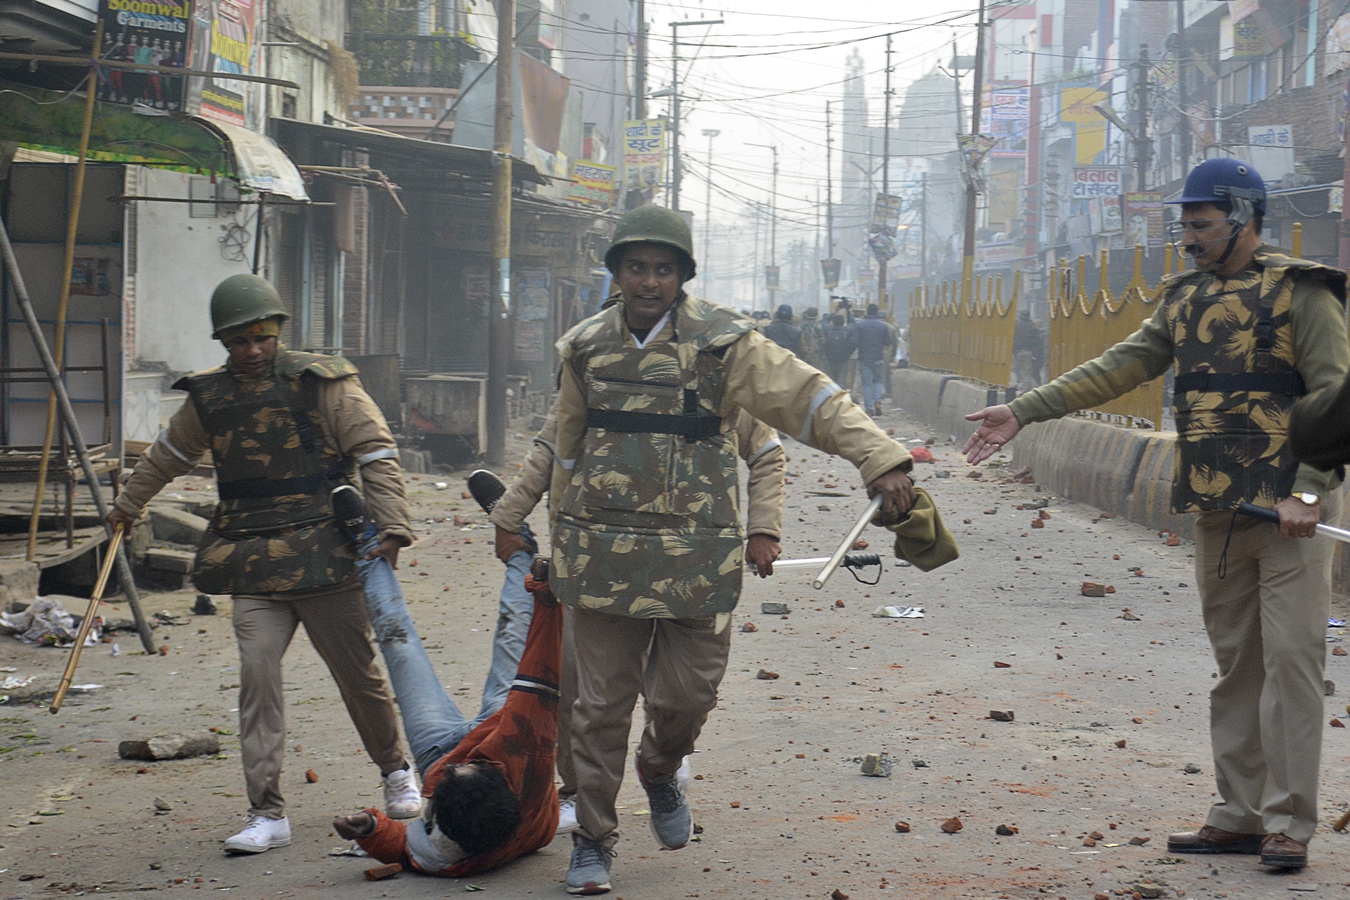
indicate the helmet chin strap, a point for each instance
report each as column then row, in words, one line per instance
column 1242, row 213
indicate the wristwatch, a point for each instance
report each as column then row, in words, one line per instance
column 1307, row 497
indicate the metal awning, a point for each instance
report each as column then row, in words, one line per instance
column 260, row 164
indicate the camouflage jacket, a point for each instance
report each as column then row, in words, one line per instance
column 1232, row 443
column 626, row 517
column 247, row 422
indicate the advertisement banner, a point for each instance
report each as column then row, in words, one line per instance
column 592, row 184
column 1337, row 45
column 1270, row 148
column 771, row 277
column 224, row 40
column 885, row 214
column 829, row 274
column 152, row 33
column 1144, row 219
column 1095, row 181
column 644, row 153
column 1007, row 116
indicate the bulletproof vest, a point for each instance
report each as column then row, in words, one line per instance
column 273, row 529
column 1236, row 381
column 649, row 523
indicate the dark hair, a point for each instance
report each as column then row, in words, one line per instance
column 476, row 808
column 873, row 309
column 838, row 320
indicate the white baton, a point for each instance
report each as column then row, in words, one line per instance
column 847, row 543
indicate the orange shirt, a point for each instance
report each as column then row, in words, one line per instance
column 521, row 738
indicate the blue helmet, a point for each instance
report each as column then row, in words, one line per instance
column 1225, row 180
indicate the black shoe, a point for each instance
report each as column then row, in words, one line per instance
column 1215, row 840
column 486, row 488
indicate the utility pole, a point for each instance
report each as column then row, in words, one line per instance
column 923, row 227
column 708, row 133
column 499, row 337
column 829, row 184
column 1142, row 145
column 1183, row 120
column 773, row 216
column 640, row 63
column 885, row 172
column 675, row 168
column 968, row 254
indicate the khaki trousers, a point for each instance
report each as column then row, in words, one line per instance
column 567, row 690
column 676, row 664
column 335, row 620
column 1267, row 623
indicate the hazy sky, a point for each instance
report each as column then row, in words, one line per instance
column 763, row 77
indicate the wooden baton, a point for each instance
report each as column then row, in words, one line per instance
column 104, row 571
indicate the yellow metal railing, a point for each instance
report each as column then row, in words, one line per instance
column 964, row 327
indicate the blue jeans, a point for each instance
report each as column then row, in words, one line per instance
column 514, row 611
column 432, row 721
column 873, row 375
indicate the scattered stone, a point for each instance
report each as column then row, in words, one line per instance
column 975, row 473
column 1021, row 473
column 1138, row 721
column 1338, row 651
column 774, row 609
column 766, row 675
column 1089, row 842
column 876, row 765
column 942, row 473
column 837, row 894
column 1173, row 541
column 1328, row 687
column 1337, row 723
column 749, row 627
column 1000, row 715
column 991, row 512
column 951, row 826
column 1128, row 616
column 1110, row 588
column 1094, row 589
column 1191, row 769
column 1005, row 830
column 1037, row 523
column 163, row 649
column 173, row 746
column 1002, row 665
column 967, row 521
column 1107, row 515
column 735, row 804
column 311, row 776
column 1100, row 896
column 839, row 604
column 1120, row 744
column 204, row 606
column 919, row 763
column 1043, row 514
column 1147, row 889
column 1139, row 841
column 1097, row 836
column 860, row 544
column 379, row 873
column 902, row 827
column 162, row 806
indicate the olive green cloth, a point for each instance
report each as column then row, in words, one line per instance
column 921, row 537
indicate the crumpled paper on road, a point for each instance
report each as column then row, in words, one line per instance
column 45, row 621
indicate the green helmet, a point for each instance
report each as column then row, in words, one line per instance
column 243, row 300
column 655, row 225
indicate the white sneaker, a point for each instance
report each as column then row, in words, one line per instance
column 567, row 816
column 683, row 774
column 402, row 796
column 260, row 834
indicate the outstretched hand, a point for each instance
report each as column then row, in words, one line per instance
column 998, row 426
column 357, row 825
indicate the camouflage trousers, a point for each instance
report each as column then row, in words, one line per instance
column 335, row 620
column 676, row 664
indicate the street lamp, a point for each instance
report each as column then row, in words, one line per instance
column 675, row 105
column 773, row 210
column 708, row 133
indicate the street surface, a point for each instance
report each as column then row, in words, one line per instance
column 1110, row 708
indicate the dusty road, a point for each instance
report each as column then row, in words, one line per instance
column 1109, row 710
